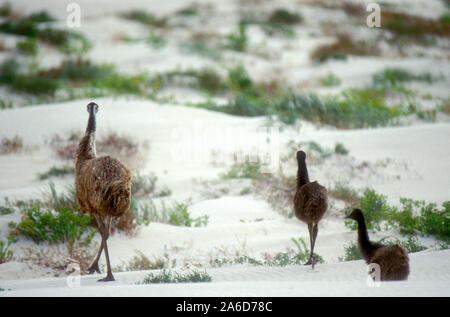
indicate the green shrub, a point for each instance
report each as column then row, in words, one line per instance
column 352, row 253
column 246, row 169
column 330, row 80
column 28, row 46
column 63, row 225
column 375, row 209
column 57, row 172
column 392, row 77
column 6, row 254
column 340, row 149
column 343, row 192
column 283, row 16
column 175, row 214
column 412, row 217
column 166, row 276
column 429, row 219
column 238, row 41
column 145, row 18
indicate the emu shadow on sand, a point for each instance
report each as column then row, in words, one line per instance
column 310, row 202
column 393, row 260
column 103, row 188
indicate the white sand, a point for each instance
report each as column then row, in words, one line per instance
column 181, row 141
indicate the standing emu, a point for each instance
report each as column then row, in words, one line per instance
column 310, row 202
column 103, row 187
column 393, row 259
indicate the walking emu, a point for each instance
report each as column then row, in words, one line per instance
column 310, row 202
column 103, row 187
column 393, row 259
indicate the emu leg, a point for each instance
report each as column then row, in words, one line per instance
column 315, row 231
column 109, row 276
column 94, row 265
column 310, row 229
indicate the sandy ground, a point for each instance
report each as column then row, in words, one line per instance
column 402, row 161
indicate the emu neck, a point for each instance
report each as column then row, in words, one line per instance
column 91, row 126
column 366, row 247
column 302, row 174
column 86, row 147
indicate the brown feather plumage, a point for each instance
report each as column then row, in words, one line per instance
column 392, row 259
column 310, row 202
column 102, row 185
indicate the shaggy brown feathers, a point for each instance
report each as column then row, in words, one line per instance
column 393, row 259
column 310, row 202
column 103, row 187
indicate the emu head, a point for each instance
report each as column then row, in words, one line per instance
column 92, row 107
column 356, row 214
column 301, row 156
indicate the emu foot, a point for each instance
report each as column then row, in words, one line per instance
column 108, row 278
column 93, row 268
column 311, row 261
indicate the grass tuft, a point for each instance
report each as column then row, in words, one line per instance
column 166, row 276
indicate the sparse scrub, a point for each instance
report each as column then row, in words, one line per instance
column 283, row 16
column 6, row 254
column 62, row 225
column 352, row 253
column 246, row 169
column 238, row 41
column 28, row 46
column 11, row 145
column 141, row 262
column 110, row 143
column 201, row 47
column 60, row 257
column 175, row 214
column 390, row 78
column 206, row 79
column 344, row 45
column 73, row 78
column 67, row 41
column 343, row 192
column 146, row 18
column 330, row 80
column 4, row 104
column 166, row 276
column 353, row 109
column 413, row 217
column 57, row 172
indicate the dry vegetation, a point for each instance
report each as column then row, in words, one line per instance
column 11, row 145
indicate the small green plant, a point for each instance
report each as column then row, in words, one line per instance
column 392, row 77
column 6, row 254
column 340, row 149
column 238, row 41
column 343, row 192
column 413, row 245
column 61, row 225
column 141, row 262
column 28, row 46
column 246, row 169
column 330, row 80
column 375, row 209
column 283, row 16
column 166, row 276
column 352, row 253
column 145, row 18
column 175, row 214
column 57, row 172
